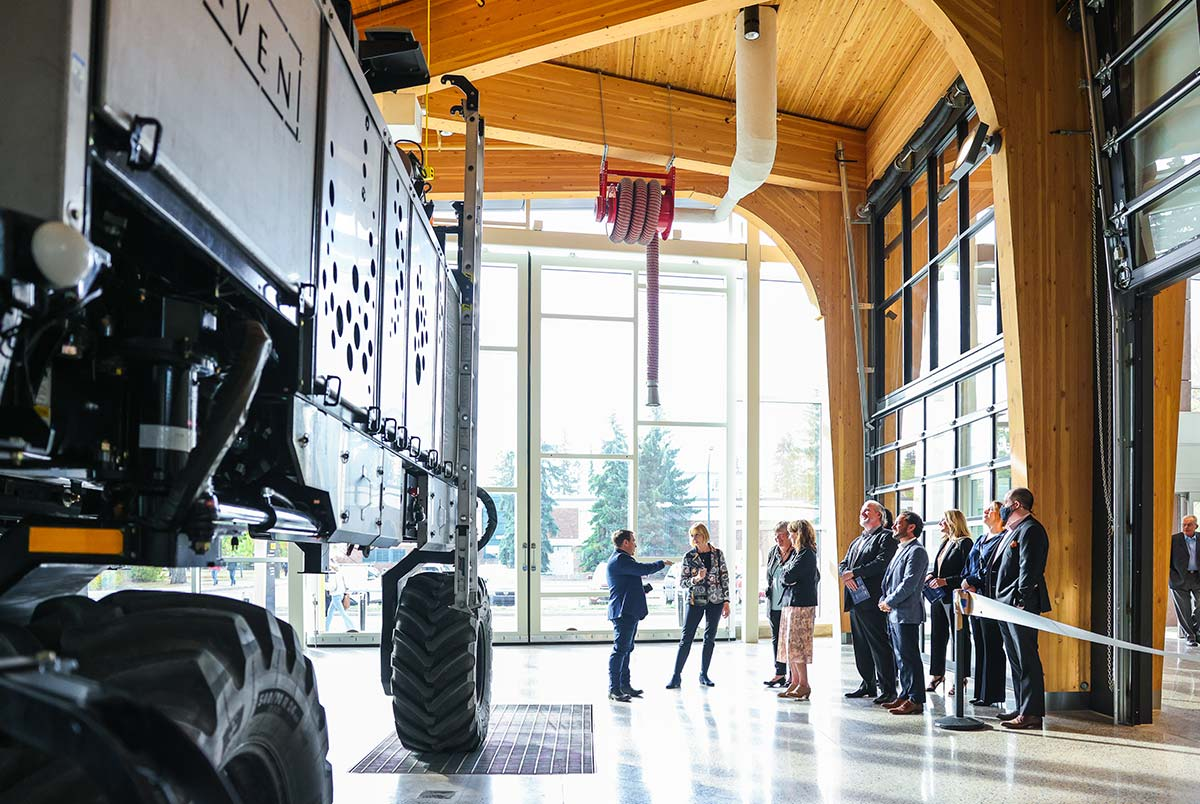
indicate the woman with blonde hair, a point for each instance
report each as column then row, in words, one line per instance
column 800, row 577
column 704, row 578
column 945, row 575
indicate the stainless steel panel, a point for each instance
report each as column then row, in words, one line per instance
column 348, row 276
column 438, row 527
column 393, row 349
column 234, row 84
column 320, row 442
column 45, row 60
column 359, row 520
column 392, row 497
column 424, row 337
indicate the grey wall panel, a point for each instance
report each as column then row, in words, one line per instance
column 348, row 276
column 235, row 88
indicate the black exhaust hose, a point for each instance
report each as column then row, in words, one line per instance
column 224, row 422
column 493, row 517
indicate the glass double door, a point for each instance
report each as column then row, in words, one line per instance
column 571, row 454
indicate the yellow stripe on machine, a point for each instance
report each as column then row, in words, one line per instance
column 78, row 541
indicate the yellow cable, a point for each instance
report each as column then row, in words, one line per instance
column 429, row 60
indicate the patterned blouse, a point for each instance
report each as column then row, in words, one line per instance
column 715, row 586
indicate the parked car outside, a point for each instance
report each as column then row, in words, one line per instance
column 670, row 584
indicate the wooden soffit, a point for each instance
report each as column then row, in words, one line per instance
column 480, row 39
column 558, row 108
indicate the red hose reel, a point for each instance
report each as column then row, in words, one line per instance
column 644, row 199
column 641, row 208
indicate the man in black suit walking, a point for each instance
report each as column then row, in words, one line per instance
column 1021, row 582
column 1184, row 580
column 867, row 559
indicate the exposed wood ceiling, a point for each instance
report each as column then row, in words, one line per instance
column 838, row 59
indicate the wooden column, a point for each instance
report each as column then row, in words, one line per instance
column 1043, row 215
column 1170, row 310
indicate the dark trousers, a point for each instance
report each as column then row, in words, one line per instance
column 624, row 630
column 872, row 649
column 990, row 662
column 941, row 634
column 906, row 644
column 711, row 614
column 1187, row 610
column 780, row 667
column 1029, row 684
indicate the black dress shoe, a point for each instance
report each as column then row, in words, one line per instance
column 705, row 681
column 631, row 692
column 887, row 696
column 976, row 702
column 861, row 692
column 1191, row 643
column 1006, row 716
column 614, row 695
column 673, row 684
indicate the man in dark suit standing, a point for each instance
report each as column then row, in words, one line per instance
column 867, row 559
column 626, row 608
column 1021, row 582
column 1184, row 580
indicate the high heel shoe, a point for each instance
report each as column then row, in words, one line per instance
column 934, row 683
column 705, row 681
column 674, row 683
column 778, row 681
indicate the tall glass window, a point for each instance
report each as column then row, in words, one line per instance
column 940, row 436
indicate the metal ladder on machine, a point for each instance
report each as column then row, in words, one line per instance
column 1127, row 273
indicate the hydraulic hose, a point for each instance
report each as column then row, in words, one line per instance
column 228, row 415
column 493, row 517
column 638, row 204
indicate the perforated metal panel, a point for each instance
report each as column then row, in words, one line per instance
column 424, row 337
column 394, row 311
column 348, row 276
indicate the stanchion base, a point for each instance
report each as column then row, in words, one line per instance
column 953, row 723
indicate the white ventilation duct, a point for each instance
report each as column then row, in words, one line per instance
column 756, row 111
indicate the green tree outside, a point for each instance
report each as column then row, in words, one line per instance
column 557, row 479
column 665, row 505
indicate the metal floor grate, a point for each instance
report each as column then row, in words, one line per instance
column 523, row 739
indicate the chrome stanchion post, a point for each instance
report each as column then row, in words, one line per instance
column 959, row 721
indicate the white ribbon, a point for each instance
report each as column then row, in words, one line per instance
column 979, row 606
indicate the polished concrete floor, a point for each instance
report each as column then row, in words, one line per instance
column 737, row 742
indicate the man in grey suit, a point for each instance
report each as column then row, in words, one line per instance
column 903, row 603
column 1184, row 580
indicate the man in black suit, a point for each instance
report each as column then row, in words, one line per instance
column 1184, row 580
column 1021, row 582
column 867, row 559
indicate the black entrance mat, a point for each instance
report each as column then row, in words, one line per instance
column 523, row 739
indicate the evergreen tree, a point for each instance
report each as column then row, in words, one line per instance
column 665, row 506
column 796, row 465
column 556, row 479
column 610, row 511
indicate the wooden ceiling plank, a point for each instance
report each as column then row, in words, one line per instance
column 499, row 37
column 557, row 107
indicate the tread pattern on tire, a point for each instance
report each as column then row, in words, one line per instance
column 229, row 673
column 436, row 700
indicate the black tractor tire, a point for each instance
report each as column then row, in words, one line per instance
column 230, row 674
column 441, row 667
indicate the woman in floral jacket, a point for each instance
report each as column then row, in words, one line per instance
column 704, row 578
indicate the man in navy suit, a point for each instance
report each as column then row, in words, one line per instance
column 1020, row 581
column 626, row 608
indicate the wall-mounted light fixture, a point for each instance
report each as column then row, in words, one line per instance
column 750, row 23
column 974, row 149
